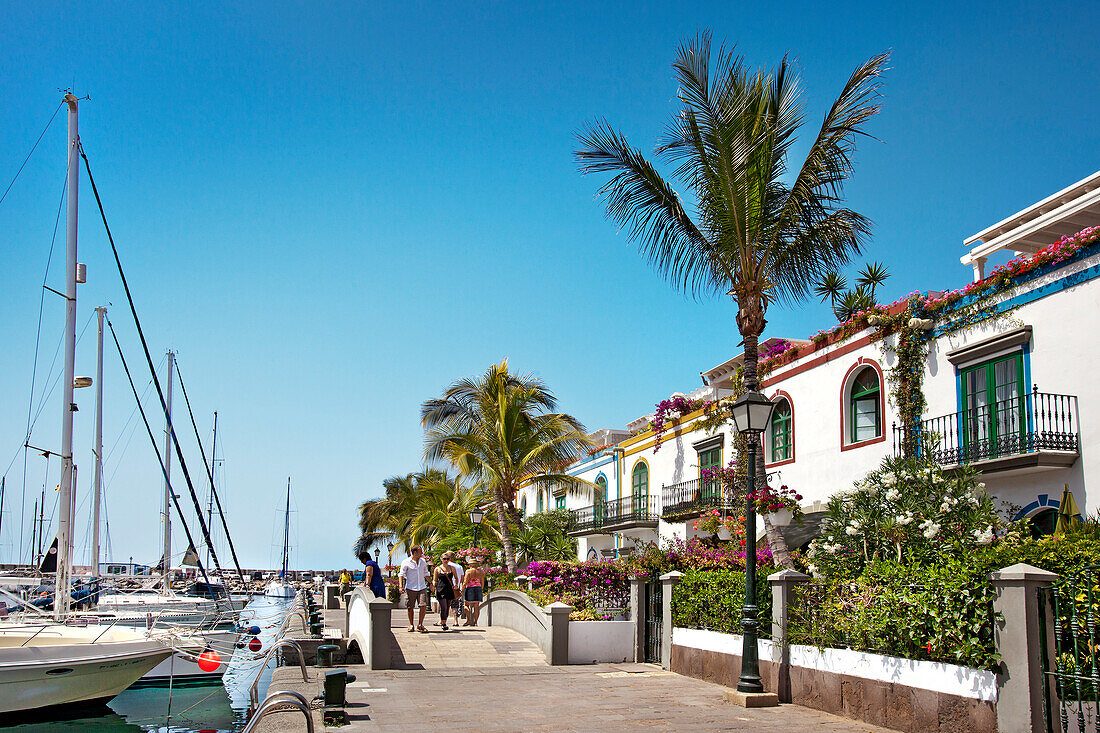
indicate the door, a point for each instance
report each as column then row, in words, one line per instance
column 598, row 506
column 993, row 408
column 654, row 620
column 710, row 489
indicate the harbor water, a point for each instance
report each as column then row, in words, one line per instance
column 220, row 707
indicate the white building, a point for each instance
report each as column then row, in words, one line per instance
column 1009, row 378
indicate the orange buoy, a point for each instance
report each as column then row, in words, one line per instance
column 209, row 660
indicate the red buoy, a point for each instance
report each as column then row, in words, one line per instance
column 254, row 645
column 209, row 660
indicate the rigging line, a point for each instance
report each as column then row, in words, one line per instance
column 57, row 379
column 149, row 360
column 37, row 343
column 33, row 148
column 42, row 295
column 160, row 459
column 210, row 475
column 126, row 426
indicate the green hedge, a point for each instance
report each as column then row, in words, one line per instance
column 942, row 613
column 712, row 600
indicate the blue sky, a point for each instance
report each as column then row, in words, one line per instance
column 332, row 211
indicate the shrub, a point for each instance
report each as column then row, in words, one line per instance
column 712, row 600
column 597, row 590
column 908, row 511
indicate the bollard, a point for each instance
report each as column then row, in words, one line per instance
column 324, row 654
column 315, row 629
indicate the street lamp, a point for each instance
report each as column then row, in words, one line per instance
column 476, row 515
column 752, row 412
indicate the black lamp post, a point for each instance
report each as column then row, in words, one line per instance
column 476, row 515
column 752, row 412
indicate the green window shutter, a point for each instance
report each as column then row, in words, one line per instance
column 640, row 480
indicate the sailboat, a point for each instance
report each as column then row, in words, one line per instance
column 48, row 662
column 280, row 587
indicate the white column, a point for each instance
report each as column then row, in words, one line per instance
column 64, row 527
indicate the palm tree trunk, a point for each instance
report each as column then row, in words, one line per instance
column 780, row 552
column 505, row 532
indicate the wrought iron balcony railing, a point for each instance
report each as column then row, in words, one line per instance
column 1030, row 423
column 691, row 497
column 608, row 516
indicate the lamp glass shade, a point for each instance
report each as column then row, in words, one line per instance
column 752, row 412
column 476, row 515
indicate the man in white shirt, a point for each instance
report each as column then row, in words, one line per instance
column 413, row 579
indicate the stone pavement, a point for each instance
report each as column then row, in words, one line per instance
column 493, row 679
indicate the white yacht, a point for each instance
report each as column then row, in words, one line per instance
column 49, row 664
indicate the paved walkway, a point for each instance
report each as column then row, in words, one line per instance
column 483, row 647
column 493, row 679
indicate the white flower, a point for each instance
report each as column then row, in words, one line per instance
column 852, row 530
column 812, row 569
column 892, row 495
column 888, row 480
column 930, row 528
column 983, row 537
column 981, row 485
column 904, row 519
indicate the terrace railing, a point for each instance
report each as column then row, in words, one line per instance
column 692, row 497
column 1033, row 422
column 617, row 514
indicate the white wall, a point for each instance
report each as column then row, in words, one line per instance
column 596, row 642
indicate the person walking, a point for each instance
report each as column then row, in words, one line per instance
column 372, row 576
column 456, row 604
column 445, row 586
column 345, row 584
column 413, row 581
column 472, row 591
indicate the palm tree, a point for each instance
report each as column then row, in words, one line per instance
column 420, row 509
column 752, row 234
column 501, row 429
column 846, row 303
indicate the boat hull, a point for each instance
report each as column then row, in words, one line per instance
column 40, row 677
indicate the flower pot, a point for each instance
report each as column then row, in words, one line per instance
column 724, row 534
column 781, row 518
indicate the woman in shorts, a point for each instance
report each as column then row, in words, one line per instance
column 472, row 584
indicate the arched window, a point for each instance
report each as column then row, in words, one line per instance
column 601, row 489
column 1043, row 522
column 866, row 417
column 781, row 434
column 523, row 505
column 639, row 481
column 538, row 501
column 639, row 488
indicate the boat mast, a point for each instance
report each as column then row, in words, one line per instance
column 64, row 533
column 101, row 311
column 167, row 562
column 286, row 528
column 210, row 495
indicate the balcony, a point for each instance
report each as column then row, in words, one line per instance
column 615, row 516
column 691, row 498
column 1033, row 432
